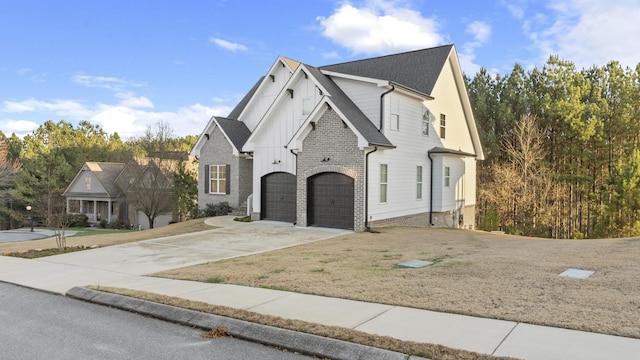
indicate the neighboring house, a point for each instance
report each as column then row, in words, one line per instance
column 123, row 192
column 389, row 140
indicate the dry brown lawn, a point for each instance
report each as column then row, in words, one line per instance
column 475, row 273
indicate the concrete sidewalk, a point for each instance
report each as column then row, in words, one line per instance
column 124, row 266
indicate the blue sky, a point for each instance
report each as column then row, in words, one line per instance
column 126, row 65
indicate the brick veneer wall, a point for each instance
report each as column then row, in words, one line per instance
column 334, row 140
column 217, row 151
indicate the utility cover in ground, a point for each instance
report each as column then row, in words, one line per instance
column 577, row 273
column 415, row 264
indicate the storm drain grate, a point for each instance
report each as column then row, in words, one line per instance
column 415, row 264
column 577, row 273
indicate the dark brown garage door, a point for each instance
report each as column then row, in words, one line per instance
column 330, row 200
column 278, row 197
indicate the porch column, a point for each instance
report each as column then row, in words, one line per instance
column 109, row 210
column 95, row 210
column 67, row 206
column 81, row 206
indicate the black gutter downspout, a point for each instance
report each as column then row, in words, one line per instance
column 393, row 87
column 430, row 190
column 366, row 188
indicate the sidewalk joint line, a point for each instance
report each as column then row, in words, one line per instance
column 505, row 338
column 375, row 316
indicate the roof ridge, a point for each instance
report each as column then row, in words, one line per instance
column 387, row 55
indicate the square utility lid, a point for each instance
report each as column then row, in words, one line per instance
column 577, row 273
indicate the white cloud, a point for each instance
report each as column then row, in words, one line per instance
column 19, row 127
column 129, row 118
column 587, row 32
column 62, row 108
column 130, row 100
column 380, row 26
column 481, row 33
column 132, row 122
column 228, row 45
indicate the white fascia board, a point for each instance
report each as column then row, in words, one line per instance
column 306, row 127
column 207, row 130
column 279, row 62
column 466, row 104
column 377, row 82
column 249, row 145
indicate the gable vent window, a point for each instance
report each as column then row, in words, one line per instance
column 443, row 125
column 425, row 121
column 306, row 106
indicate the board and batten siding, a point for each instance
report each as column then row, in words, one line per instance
column 270, row 154
column 267, row 94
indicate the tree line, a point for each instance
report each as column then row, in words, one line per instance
column 35, row 170
column 561, row 146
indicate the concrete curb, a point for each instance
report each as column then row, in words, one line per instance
column 307, row 344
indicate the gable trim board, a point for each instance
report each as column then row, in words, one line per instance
column 320, row 124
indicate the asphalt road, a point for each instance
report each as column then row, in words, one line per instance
column 39, row 325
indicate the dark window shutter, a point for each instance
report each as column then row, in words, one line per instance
column 206, row 179
column 228, row 191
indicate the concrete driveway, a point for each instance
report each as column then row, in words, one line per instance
column 111, row 265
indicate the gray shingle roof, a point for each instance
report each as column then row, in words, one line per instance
column 417, row 70
column 245, row 100
column 237, row 131
column 359, row 120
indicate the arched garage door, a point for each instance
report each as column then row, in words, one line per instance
column 278, row 197
column 330, row 200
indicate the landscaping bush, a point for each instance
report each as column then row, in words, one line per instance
column 218, row 209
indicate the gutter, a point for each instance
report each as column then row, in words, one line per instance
column 366, row 188
column 393, row 87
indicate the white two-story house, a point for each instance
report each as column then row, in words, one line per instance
column 389, row 140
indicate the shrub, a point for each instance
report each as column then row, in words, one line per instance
column 218, row 209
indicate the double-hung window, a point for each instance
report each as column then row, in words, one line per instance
column 383, row 183
column 443, row 125
column 447, row 176
column 395, row 115
column 217, row 179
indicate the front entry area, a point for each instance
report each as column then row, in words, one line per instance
column 278, row 199
column 330, row 200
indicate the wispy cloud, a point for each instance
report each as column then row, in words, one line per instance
column 586, row 32
column 106, row 82
column 228, row 45
column 481, row 34
column 380, row 27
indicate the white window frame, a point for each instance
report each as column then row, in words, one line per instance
column 443, row 125
column 447, row 176
column 384, row 182
column 394, row 122
column 221, row 176
column 307, row 106
column 419, row 182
